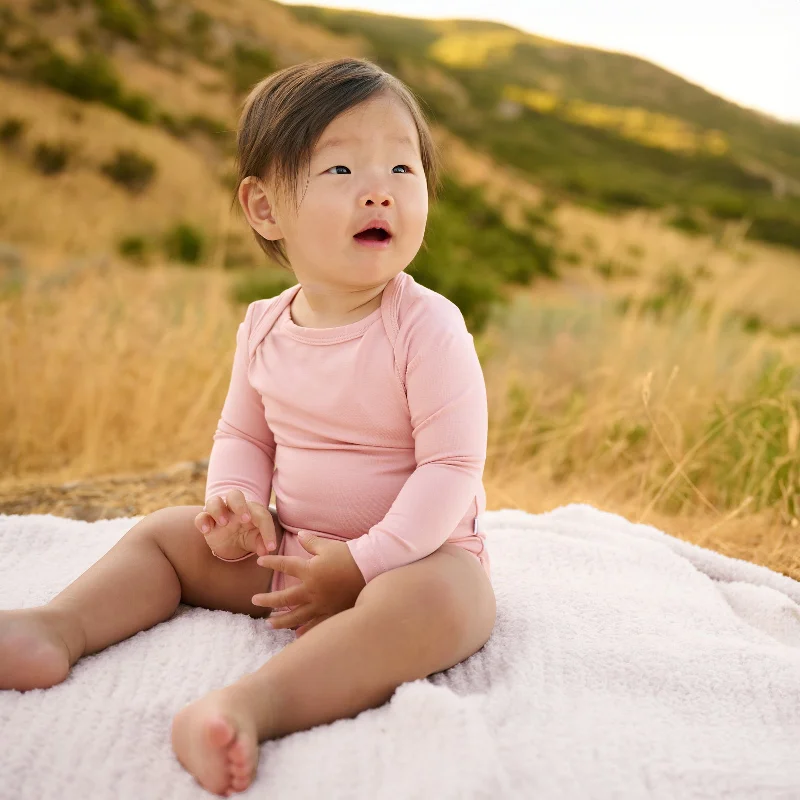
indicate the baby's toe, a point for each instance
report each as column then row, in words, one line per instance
column 219, row 731
column 201, row 740
column 242, row 761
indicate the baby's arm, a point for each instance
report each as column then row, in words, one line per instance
column 446, row 394
column 243, row 454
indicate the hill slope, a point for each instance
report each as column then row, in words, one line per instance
column 603, row 128
column 117, row 119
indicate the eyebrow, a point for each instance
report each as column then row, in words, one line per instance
column 336, row 142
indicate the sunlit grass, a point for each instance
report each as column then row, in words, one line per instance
column 474, row 50
column 638, row 124
column 675, row 417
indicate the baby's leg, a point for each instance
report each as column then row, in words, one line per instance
column 406, row 624
column 159, row 562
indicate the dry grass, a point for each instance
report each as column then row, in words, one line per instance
column 81, row 211
column 742, row 275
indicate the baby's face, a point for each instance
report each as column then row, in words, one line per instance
column 366, row 165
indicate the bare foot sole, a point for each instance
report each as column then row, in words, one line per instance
column 217, row 743
column 33, row 654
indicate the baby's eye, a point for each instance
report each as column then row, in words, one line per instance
column 339, row 166
column 406, row 168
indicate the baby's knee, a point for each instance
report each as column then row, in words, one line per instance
column 171, row 523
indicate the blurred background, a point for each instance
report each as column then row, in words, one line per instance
column 619, row 224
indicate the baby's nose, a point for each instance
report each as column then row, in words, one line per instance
column 378, row 197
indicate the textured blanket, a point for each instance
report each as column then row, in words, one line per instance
column 624, row 663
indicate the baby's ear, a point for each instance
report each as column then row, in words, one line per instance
column 258, row 205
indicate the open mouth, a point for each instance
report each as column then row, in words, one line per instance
column 373, row 235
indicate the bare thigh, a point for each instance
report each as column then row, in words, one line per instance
column 445, row 601
column 206, row 581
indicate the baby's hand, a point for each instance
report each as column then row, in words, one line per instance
column 234, row 527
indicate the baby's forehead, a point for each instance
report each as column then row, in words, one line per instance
column 389, row 135
column 388, row 122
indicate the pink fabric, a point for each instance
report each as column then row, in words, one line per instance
column 321, row 416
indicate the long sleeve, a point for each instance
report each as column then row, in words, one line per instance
column 449, row 416
column 243, row 453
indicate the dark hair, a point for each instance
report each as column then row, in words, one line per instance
column 286, row 113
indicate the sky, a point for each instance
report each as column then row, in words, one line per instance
column 742, row 50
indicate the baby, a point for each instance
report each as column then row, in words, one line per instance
column 357, row 396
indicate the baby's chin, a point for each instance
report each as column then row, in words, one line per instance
column 367, row 272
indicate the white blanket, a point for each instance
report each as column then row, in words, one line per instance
column 624, row 663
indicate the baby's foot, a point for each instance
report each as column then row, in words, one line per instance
column 33, row 649
column 216, row 741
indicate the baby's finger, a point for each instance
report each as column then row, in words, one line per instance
column 218, row 510
column 293, row 596
column 251, row 541
column 290, row 619
column 263, row 520
column 238, row 505
column 292, row 565
column 204, row 522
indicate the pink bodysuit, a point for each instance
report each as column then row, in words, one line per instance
column 378, row 446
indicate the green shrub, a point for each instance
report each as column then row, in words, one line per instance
column 777, row 229
column 549, row 204
column 590, row 243
column 686, row 222
column 120, row 18
column 239, row 252
column 752, row 323
column 261, row 284
column 628, row 271
column 622, row 305
column 635, row 250
column 44, row 6
column 13, row 272
column 50, row 159
column 183, row 242
column 470, row 255
column 248, row 65
column 11, row 130
column 171, row 124
column 213, row 128
column 726, row 206
column 702, row 272
column 137, row 106
column 131, row 170
column 199, row 33
column 93, row 79
column 88, row 38
column 628, row 197
column 537, row 218
column 676, row 293
column 607, row 269
column 229, row 180
column 134, row 248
